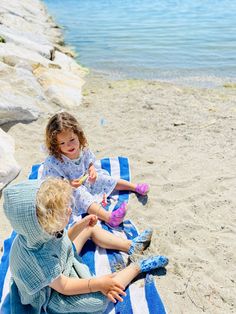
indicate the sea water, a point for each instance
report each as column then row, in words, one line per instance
column 170, row 40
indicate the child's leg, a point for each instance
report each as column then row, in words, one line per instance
column 144, row 264
column 102, row 238
column 112, row 218
column 125, row 185
column 99, row 211
column 82, row 238
column 108, row 240
column 140, row 188
column 126, row 275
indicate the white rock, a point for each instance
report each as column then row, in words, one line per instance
column 16, row 107
column 12, row 54
column 18, row 16
column 9, row 168
column 26, row 10
column 69, row 64
column 30, row 41
column 65, row 97
column 62, row 87
column 21, row 95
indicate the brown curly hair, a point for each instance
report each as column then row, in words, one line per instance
column 58, row 123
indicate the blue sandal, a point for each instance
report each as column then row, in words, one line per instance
column 141, row 242
column 146, row 264
column 152, row 262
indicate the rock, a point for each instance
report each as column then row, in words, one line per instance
column 69, row 64
column 61, row 87
column 66, row 50
column 15, row 107
column 9, row 168
column 30, row 41
column 12, row 55
column 21, row 95
column 67, row 97
column 23, row 17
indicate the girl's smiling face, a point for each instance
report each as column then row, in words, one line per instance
column 69, row 144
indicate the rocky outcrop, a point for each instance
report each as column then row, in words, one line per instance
column 9, row 168
column 36, row 71
column 28, row 41
column 61, row 87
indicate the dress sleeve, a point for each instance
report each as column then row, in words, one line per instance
column 51, row 168
column 89, row 158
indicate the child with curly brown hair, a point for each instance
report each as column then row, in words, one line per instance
column 70, row 158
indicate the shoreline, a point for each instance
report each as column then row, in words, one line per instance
column 191, row 81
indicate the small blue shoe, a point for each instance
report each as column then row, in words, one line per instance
column 141, row 242
column 152, row 262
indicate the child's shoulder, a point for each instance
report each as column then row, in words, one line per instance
column 50, row 159
column 85, row 151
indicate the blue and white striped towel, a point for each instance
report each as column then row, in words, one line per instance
column 142, row 296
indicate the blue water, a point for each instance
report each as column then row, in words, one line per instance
column 152, row 39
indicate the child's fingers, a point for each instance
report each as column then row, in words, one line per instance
column 111, row 298
column 119, row 291
column 114, row 296
column 78, row 182
column 75, row 183
column 93, row 222
column 92, row 176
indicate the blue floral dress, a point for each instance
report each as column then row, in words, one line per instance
column 70, row 169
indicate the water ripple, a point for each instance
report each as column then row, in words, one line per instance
column 144, row 39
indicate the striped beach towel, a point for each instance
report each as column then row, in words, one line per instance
column 142, row 295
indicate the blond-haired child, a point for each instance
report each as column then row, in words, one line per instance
column 46, row 268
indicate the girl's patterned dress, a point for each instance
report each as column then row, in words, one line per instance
column 70, row 169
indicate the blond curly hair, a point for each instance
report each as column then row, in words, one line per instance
column 58, row 123
column 53, row 201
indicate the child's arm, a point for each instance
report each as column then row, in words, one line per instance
column 89, row 164
column 75, row 230
column 92, row 173
column 107, row 284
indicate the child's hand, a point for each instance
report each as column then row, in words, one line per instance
column 92, row 220
column 78, row 182
column 89, row 220
column 111, row 288
column 75, row 183
column 92, row 174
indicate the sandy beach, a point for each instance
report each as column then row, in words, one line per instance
column 182, row 141
column 179, row 139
